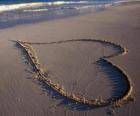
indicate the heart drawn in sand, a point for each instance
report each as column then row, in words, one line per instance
column 72, row 99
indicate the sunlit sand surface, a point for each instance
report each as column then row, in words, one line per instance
column 73, row 65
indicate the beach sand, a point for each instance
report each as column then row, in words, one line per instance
column 69, row 64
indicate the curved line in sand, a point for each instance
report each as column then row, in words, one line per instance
column 114, row 102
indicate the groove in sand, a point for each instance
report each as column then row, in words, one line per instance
column 114, row 102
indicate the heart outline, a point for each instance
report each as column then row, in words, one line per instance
column 115, row 102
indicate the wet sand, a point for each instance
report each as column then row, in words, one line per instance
column 71, row 64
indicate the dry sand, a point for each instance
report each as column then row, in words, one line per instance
column 71, row 64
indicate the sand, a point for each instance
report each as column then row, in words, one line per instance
column 71, row 64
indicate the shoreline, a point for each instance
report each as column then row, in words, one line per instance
column 65, row 15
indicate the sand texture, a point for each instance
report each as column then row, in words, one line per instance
column 77, row 66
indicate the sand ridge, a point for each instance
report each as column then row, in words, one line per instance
column 42, row 76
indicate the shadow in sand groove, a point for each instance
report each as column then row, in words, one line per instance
column 64, row 101
column 118, row 83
